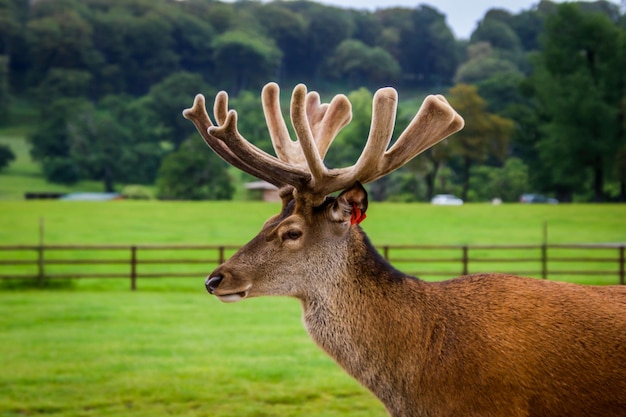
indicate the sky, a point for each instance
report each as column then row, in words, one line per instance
column 462, row 15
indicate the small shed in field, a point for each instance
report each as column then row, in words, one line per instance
column 262, row 190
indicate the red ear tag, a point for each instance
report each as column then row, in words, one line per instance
column 357, row 215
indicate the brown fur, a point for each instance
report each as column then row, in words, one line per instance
column 479, row 345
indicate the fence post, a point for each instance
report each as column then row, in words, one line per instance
column 40, row 259
column 621, row 265
column 221, row 256
column 544, row 261
column 133, row 268
column 465, row 260
column 41, row 273
column 386, row 252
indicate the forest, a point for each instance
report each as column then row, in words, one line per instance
column 542, row 91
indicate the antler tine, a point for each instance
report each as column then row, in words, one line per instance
column 315, row 110
column 305, row 135
column 336, row 116
column 324, row 121
column 286, row 149
column 435, row 121
column 200, row 118
column 220, row 107
column 384, row 107
column 226, row 141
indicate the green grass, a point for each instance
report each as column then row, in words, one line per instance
column 130, row 222
column 94, row 348
column 154, row 354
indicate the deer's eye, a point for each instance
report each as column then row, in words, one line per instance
column 292, row 234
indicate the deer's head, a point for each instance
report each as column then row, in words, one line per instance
column 314, row 235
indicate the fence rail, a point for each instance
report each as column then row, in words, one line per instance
column 40, row 262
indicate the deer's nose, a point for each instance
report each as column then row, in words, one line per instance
column 212, row 283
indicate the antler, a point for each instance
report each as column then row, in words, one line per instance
column 300, row 163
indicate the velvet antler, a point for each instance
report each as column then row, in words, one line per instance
column 300, row 163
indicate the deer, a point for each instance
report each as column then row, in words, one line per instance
column 487, row 344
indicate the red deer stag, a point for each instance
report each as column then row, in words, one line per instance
column 478, row 345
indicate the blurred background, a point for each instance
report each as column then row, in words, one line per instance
column 91, row 94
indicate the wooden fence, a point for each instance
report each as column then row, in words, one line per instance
column 604, row 263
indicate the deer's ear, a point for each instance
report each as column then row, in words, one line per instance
column 351, row 204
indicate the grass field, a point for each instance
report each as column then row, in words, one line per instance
column 129, row 222
column 154, row 354
column 97, row 349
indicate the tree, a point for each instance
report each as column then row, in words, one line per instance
column 9, row 25
column 507, row 182
column 528, row 25
column 99, row 146
column 498, row 34
column 220, row 15
column 13, row 17
column 363, row 65
column 61, row 83
column 395, row 21
column 105, row 147
column 148, row 143
column 327, row 28
column 485, row 134
column 288, row 30
column 168, row 98
column 149, row 52
column 484, row 63
column 50, row 144
column 193, row 42
column 77, row 139
column 194, row 172
column 430, row 164
column 60, row 40
column 502, row 92
column 138, row 43
column 5, row 95
column 367, row 27
column 620, row 172
column 110, row 29
column 10, row 33
column 244, row 60
column 428, row 48
column 6, row 156
column 579, row 83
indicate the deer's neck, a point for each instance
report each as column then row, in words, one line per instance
column 369, row 322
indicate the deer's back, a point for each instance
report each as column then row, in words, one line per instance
column 533, row 347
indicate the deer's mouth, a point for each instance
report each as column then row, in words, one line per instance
column 232, row 297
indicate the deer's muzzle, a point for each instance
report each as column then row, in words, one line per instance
column 212, row 283
column 226, row 295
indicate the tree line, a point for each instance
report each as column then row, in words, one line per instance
column 543, row 91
